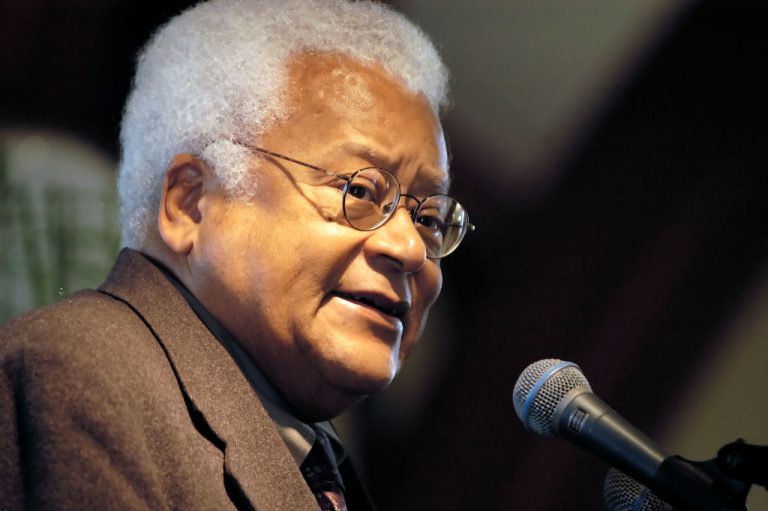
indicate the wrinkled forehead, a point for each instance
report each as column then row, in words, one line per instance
column 343, row 82
column 345, row 88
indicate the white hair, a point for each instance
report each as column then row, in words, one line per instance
column 216, row 74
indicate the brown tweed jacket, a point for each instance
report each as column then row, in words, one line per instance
column 122, row 399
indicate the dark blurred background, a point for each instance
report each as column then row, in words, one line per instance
column 612, row 156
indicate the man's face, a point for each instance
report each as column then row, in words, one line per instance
column 310, row 298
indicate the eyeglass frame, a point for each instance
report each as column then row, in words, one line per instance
column 347, row 178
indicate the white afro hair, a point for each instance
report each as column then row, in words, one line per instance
column 215, row 74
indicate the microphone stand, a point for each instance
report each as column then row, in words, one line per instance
column 700, row 486
column 719, row 484
column 744, row 462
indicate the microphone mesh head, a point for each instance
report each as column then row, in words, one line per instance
column 540, row 388
column 622, row 493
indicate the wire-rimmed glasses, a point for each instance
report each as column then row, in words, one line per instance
column 371, row 196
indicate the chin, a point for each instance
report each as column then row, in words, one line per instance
column 362, row 379
column 344, row 387
column 344, row 375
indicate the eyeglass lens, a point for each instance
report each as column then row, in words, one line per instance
column 368, row 202
column 368, row 198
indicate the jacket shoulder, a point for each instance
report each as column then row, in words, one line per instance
column 83, row 386
column 87, row 321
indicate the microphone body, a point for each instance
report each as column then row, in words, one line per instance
column 553, row 398
column 584, row 419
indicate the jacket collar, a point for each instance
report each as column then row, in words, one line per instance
column 214, row 387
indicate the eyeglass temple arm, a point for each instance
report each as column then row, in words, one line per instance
column 303, row 164
column 470, row 227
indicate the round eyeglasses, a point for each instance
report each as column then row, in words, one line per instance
column 371, row 196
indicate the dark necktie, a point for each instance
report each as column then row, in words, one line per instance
column 322, row 474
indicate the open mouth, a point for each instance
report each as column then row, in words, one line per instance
column 395, row 309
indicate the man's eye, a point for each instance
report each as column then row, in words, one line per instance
column 372, row 185
column 362, row 192
column 431, row 222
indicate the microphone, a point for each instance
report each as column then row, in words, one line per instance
column 553, row 398
column 622, row 493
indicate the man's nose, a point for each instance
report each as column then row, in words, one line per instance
column 399, row 241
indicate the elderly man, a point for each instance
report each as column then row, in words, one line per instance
column 283, row 182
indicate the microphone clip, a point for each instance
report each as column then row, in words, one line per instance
column 701, row 486
column 744, row 462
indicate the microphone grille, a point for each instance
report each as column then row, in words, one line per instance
column 622, row 493
column 540, row 388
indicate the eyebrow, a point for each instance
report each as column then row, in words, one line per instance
column 436, row 182
column 367, row 152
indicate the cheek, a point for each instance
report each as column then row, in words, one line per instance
column 232, row 252
column 426, row 286
column 428, row 283
column 222, row 271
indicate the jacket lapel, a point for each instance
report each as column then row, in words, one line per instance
column 255, row 455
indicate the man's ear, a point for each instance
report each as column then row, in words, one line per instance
column 178, row 220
